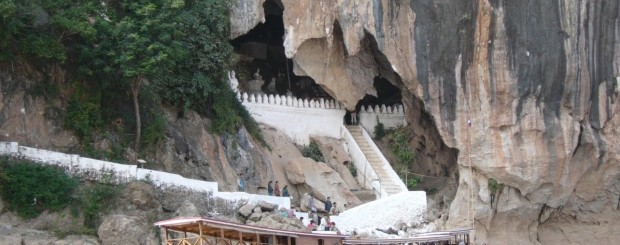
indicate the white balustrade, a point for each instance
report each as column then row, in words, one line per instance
column 389, row 116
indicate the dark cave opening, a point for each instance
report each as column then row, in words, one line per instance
column 387, row 94
column 261, row 51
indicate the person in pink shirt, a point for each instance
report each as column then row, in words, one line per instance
column 312, row 226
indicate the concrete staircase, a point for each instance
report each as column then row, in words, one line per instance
column 390, row 183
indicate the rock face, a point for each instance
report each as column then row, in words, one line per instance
column 337, row 157
column 323, row 181
column 524, row 90
column 27, row 116
column 118, row 229
column 245, row 15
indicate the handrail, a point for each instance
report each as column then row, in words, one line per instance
column 354, row 150
column 380, row 186
column 386, row 165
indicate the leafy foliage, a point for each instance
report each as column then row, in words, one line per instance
column 179, row 48
column 313, row 151
column 83, row 117
column 398, row 141
column 494, row 186
column 24, row 181
column 352, row 169
column 30, row 188
column 41, row 29
column 95, row 200
column 154, row 131
column 413, row 181
column 379, row 130
column 399, row 144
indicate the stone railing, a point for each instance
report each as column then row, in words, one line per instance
column 98, row 170
column 390, row 116
column 297, row 118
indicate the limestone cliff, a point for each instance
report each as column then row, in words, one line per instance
column 526, row 91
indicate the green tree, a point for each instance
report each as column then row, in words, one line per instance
column 178, row 46
column 145, row 43
column 42, row 28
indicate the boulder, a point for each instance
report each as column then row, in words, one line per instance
column 305, row 203
column 77, row 240
column 256, row 217
column 295, row 172
column 277, row 222
column 141, row 194
column 11, row 239
column 337, row 157
column 267, row 207
column 246, row 210
column 257, row 210
column 187, row 209
column 122, row 229
column 320, row 179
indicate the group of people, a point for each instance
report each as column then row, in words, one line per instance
column 274, row 190
column 315, row 219
column 329, row 226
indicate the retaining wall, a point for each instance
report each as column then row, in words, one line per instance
column 297, row 118
column 122, row 173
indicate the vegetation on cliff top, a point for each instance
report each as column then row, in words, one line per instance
column 177, row 48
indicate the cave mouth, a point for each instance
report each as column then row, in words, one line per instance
column 262, row 48
column 387, row 94
column 261, row 52
column 434, row 165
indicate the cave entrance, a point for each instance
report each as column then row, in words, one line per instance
column 433, row 167
column 260, row 55
column 387, row 94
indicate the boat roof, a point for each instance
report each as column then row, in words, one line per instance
column 190, row 224
column 212, row 226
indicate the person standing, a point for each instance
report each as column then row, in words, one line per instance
column 241, row 182
column 276, row 189
column 285, row 191
column 311, row 202
column 270, row 188
column 328, row 206
column 335, row 209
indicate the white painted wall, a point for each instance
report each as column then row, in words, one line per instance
column 254, row 198
column 163, row 179
column 390, row 116
column 299, row 119
column 121, row 173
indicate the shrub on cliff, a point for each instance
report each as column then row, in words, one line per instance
column 31, row 188
column 379, row 131
column 313, row 151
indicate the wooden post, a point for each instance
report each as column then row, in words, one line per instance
column 288, row 240
column 222, row 235
column 240, row 238
column 200, row 232
column 257, row 238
